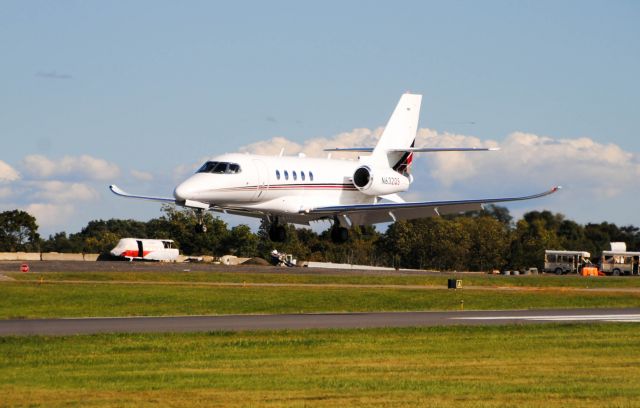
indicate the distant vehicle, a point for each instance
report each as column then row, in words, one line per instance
column 618, row 263
column 561, row 262
column 282, row 259
column 146, row 249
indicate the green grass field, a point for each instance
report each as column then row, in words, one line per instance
column 535, row 365
column 32, row 299
column 293, row 276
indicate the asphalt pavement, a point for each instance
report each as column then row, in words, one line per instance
column 182, row 324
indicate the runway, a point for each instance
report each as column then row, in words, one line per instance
column 182, row 324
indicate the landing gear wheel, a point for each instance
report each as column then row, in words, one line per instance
column 339, row 235
column 200, row 228
column 277, row 233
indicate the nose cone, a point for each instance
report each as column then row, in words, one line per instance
column 184, row 191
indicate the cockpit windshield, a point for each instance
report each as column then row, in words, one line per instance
column 219, row 168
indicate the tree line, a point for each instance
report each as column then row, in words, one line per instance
column 478, row 241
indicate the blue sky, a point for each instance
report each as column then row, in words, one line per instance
column 149, row 86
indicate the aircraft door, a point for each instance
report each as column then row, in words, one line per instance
column 140, row 249
column 263, row 179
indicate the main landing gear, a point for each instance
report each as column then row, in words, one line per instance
column 339, row 234
column 277, row 233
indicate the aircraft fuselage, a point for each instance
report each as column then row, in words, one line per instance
column 278, row 185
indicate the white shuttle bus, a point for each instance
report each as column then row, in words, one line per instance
column 561, row 262
column 146, row 249
column 618, row 263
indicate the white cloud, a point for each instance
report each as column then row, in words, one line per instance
column 8, row 173
column 314, row 147
column 141, row 175
column 182, row 171
column 5, row 192
column 526, row 161
column 50, row 215
column 61, row 192
column 82, row 167
column 596, row 169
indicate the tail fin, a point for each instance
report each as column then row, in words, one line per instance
column 400, row 133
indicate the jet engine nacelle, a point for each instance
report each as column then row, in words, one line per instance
column 379, row 181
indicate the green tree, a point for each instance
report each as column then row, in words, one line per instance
column 240, row 241
column 530, row 239
column 489, row 242
column 60, row 242
column 499, row 213
column 18, row 231
column 440, row 244
column 182, row 228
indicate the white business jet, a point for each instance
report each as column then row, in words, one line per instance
column 298, row 189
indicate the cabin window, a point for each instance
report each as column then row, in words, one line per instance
column 302, row 175
column 278, row 174
column 294, row 174
column 286, row 175
column 310, row 176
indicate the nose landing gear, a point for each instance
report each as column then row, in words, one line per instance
column 200, row 227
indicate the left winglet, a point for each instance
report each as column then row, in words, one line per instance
column 120, row 192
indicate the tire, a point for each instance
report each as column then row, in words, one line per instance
column 559, row 271
column 277, row 233
column 616, row 272
column 339, row 235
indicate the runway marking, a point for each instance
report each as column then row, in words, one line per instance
column 633, row 318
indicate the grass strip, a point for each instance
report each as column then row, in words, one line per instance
column 556, row 365
column 294, row 276
column 33, row 300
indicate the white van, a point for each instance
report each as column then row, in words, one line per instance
column 146, row 249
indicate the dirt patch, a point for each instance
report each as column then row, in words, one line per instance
column 256, row 261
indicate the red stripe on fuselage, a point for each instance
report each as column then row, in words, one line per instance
column 134, row 253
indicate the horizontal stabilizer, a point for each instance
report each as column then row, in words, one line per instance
column 350, row 149
column 415, row 149
column 445, row 149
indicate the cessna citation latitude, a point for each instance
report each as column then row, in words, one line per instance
column 297, row 190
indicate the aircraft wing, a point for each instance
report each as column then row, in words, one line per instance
column 366, row 214
column 246, row 212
